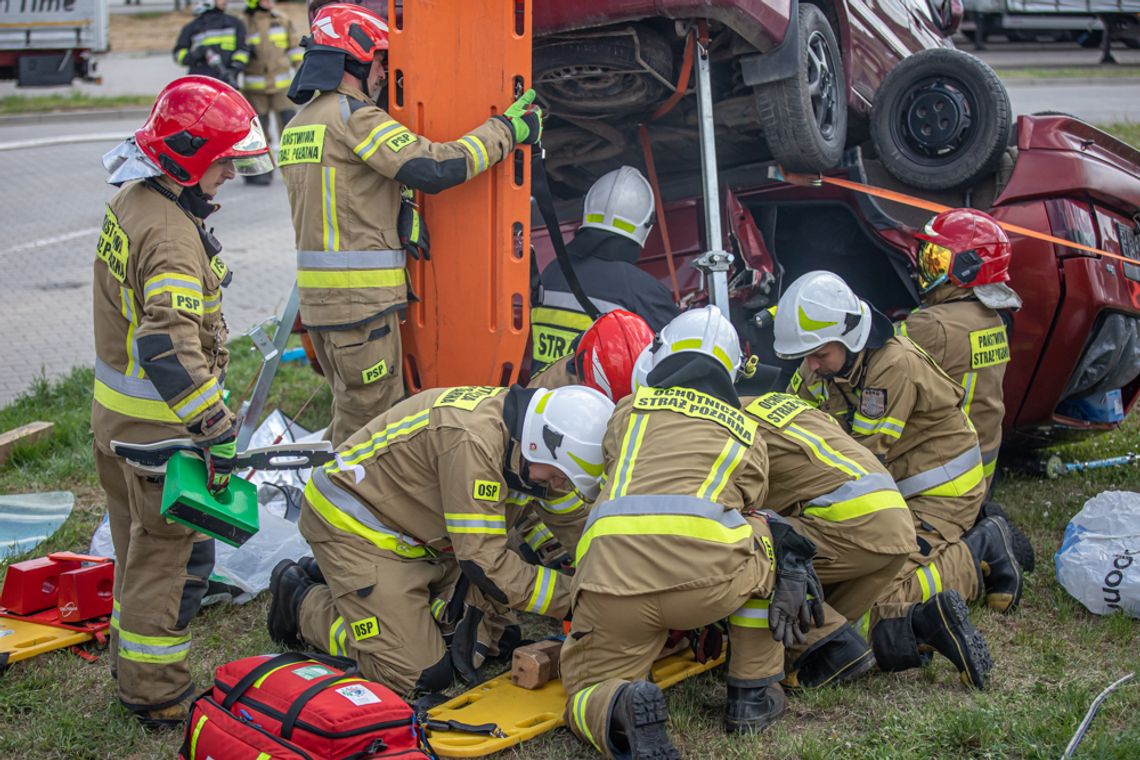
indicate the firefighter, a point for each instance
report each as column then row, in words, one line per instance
column 892, row 398
column 213, row 44
column 667, row 547
column 417, row 501
column 962, row 269
column 616, row 219
column 160, row 343
column 349, row 169
column 603, row 360
column 275, row 50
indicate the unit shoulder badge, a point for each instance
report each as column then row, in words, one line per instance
column 873, row 403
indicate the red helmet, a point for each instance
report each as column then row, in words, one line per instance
column 609, row 349
column 964, row 246
column 198, row 120
column 357, row 31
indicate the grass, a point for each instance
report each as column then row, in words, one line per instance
column 1128, row 131
column 72, row 101
column 1052, row 656
column 1069, row 72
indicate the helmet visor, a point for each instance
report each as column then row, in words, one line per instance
column 250, row 154
column 933, row 264
column 247, row 166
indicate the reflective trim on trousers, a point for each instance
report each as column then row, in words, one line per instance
column 157, row 650
column 989, row 461
column 960, row 465
column 754, row 614
column 930, row 580
column 338, row 637
column 343, row 511
column 578, row 714
column 560, row 299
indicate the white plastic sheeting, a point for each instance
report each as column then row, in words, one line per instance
column 1099, row 559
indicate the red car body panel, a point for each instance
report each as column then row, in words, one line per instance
column 1067, row 175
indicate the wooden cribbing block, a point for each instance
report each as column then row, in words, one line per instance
column 535, row 664
column 24, row 435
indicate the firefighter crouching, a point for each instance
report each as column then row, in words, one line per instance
column 160, row 342
column 836, row 493
column 417, row 500
column 962, row 269
column 349, row 169
column 275, row 49
column 895, row 400
column 667, row 546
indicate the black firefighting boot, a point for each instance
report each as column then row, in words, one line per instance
column 288, row 586
column 751, row 709
column 637, row 724
column 843, row 656
column 311, row 568
column 169, row 717
column 1022, row 549
column 941, row 624
column 998, row 570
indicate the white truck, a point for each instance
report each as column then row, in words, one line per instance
column 50, row 42
column 1080, row 20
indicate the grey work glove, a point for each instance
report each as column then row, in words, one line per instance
column 797, row 601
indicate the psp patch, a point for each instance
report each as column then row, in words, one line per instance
column 873, row 403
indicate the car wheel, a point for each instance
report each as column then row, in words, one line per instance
column 601, row 76
column 941, row 120
column 804, row 117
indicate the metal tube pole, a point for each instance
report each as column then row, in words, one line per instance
column 714, row 262
column 250, row 413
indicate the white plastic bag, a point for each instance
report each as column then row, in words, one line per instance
column 1099, row 559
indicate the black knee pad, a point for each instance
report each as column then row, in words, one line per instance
column 198, row 567
column 436, row 678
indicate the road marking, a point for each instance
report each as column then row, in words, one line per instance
column 47, row 142
column 51, row 240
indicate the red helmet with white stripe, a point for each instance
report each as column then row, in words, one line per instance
column 357, row 31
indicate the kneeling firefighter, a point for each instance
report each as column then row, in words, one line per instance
column 161, row 358
column 668, row 547
column 892, row 397
column 418, row 499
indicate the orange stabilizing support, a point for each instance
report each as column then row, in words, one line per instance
column 458, row 63
column 815, row 180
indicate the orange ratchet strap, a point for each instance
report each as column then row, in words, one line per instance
column 809, row 180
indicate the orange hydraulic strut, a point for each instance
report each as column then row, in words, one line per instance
column 808, row 180
column 651, row 167
column 452, row 65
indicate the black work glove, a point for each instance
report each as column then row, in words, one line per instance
column 220, row 464
column 463, row 646
column 411, row 228
column 797, row 601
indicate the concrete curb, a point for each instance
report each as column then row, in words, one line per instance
column 44, row 117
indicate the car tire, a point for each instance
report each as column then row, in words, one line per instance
column 806, row 130
column 595, row 77
column 941, row 120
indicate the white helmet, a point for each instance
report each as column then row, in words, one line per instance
column 702, row 331
column 201, row 6
column 641, row 369
column 564, row 428
column 819, row 308
column 620, row 202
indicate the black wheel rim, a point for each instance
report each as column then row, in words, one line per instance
column 822, row 84
column 936, row 118
column 591, row 88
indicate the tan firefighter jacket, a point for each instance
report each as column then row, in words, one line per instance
column 899, row 404
column 556, row 375
column 680, row 465
column 819, row 474
column 344, row 161
column 425, row 479
column 969, row 341
column 276, row 51
column 160, row 339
